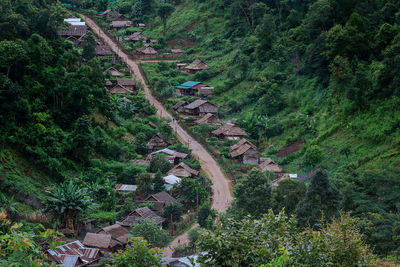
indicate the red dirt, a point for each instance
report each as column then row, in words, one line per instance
column 292, row 148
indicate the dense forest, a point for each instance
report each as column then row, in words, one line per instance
column 320, row 73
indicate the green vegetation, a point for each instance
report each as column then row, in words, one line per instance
column 150, row 231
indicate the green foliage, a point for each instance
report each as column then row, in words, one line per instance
column 172, row 212
column 192, row 191
column 164, row 11
column 313, row 155
column 253, row 193
column 275, row 239
column 206, row 216
column 322, row 199
column 136, row 254
column 159, row 163
column 150, row 231
column 158, row 182
column 287, row 195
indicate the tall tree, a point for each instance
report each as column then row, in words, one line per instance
column 287, row 195
column 172, row 212
column 158, row 182
column 206, row 216
column 321, row 198
column 89, row 47
column 164, row 11
column 156, row 236
column 253, row 193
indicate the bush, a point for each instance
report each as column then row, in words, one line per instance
column 313, row 155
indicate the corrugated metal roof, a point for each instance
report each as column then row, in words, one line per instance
column 187, row 85
column 126, row 187
column 172, row 179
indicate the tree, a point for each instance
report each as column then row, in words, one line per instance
column 159, row 162
column 136, row 254
column 164, row 11
column 150, row 231
column 253, row 193
column 206, row 216
column 172, row 212
column 274, row 240
column 158, row 182
column 89, row 47
column 287, row 195
column 192, row 192
column 143, row 182
column 66, row 202
column 322, row 199
column 82, row 140
column 11, row 52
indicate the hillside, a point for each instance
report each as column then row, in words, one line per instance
column 322, row 73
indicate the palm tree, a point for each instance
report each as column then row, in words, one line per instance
column 9, row 205
column 67, row 201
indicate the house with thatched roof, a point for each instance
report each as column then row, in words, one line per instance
column 114, row 72
column 146, row 51
column 117, row 24
column 181, row 66
column 136, row 37
column 103, row 50
column 268, row 164
column 141, row 25
column 192, row 88
column 120, row 17
column 74, row 33
column 162, row 197
column 183, row 170
column 142, row 162
column 180, row 106
column 157, row 142
column 173, row 156
column 119, row 89
column 108, row 83
column 141, row 213
column 111, row 14
column 104, row 242
column 117, row 232
column 210, row 119
column 229, row 131
column 245, row 151
column 127, row 83
column 196, row 66
column 200, row 108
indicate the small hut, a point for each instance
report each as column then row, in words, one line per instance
column 173, row 156
column 102, row 50
column 268, row 164
column 108, row 83
column 119, row 89
column 210, row 119
column 181, row 66
column 104, row 242
column 146, row 51
column 229, row 131
column 157, row 142
column 120, row 24
column 127, row 83
column 114, row 72
column 192, row 88
column 74, row 33
column 183, row 170
column 117, row 232
column 179, row 106
column 136, row 37
column 245, row 151
column 141, row 213
column 200, row 108
column 196, row 66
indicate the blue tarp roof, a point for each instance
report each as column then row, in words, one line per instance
column 187, row 85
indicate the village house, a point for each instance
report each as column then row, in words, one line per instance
column 157, row 142
column 146, row 51
column 104, row 242
column 210, row 119
column 281, row 177
column 229, row 131
column 102, row 50
column 126, row 83
column 120, row 17
column 196, row 66
column 245, row 151
column 176, row 52
column 141, row 213
column 119, row 89
column 136, row 37
column 126, row 188
column 118, row 233
column 200, row 108
column 73, row 254
column 160, row 200
column 152, row 41
column 183, row 170
column 268, row 164
column 75, row 33
column 120, row 24
column 173, row 156
column 114, row 72
column 110, row 14
column 141, row 25
column 108, row 83
column 141, row 162
column 181, row 66
column 194, row 89
column 171, row 180
column 180, row 106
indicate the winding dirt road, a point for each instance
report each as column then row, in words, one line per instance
column 222, row 196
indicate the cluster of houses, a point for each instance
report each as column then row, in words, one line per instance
column 118, row 21
column 74, row 30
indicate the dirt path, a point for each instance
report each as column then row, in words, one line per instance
column 222, row 196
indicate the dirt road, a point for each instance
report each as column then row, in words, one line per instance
column 222, row 196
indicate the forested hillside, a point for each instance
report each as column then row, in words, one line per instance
column 324, row 73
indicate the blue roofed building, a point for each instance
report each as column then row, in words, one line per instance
column 192, row 88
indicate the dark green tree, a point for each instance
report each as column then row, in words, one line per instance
column 206, row 216
column 150, row 231
column 172, row 212
column 287, row 195
column 322, row 198
column 159, row 162
column 89, row 47
column 253, row 193
column 158, row 182
column 164, row 11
